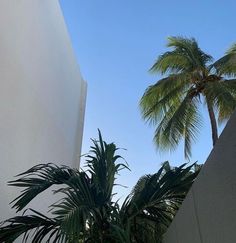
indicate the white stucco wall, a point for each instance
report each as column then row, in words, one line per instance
column 42, row 93
column 208, row 214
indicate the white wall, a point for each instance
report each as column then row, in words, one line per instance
column 208, row 214
column 42, row 93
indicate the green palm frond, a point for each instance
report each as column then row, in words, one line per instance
column 72, row 211
column 192, row 126
column 102, row 166
column 37, row 227
column 155, row 199
column 159, row 97
column 119, row 234
column 171, row 62
column 38, row 179
column 150, row 191
column 232, row 49
column 182, row 120
column 223, row 96
column 189, row 47
column 185, row 57
column 227, row 64
column 76, row 207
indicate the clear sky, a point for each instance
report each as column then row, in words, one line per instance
column 116, row 42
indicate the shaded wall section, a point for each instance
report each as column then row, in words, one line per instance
column 208, row 214
column 42, row 94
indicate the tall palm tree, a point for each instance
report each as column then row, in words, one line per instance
column 87, row 211
column 191, row 79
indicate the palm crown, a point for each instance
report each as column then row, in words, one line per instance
column 191, row 78
column 87, row 211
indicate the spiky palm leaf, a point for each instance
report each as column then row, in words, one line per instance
column 172, row 104
column 227, row 64
column 87, row 212
column 42, row 226
column 154, row 200
column 87, row 195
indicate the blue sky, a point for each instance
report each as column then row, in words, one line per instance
column 115, row 43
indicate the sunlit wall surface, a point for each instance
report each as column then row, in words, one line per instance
column 42, row 93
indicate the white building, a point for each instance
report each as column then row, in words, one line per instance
column 42, row 93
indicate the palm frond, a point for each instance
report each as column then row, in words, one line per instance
column 155, row 199
column 180, row 121
column 38, row 179
column 171, row 62
column 232, row 49
column 76, row 207
column 102, row 166
column 189, row 47
column 166, row 93
column 227, row 64
column 223, row 96
column 186, row 56
column 193, row 123
column 35, row 227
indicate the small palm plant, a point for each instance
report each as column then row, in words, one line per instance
column 191, row 79
column 87, row 211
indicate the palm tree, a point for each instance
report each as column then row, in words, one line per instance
column 87, row 211
column 190, row 79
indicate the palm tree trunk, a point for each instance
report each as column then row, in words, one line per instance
column 214, row 131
